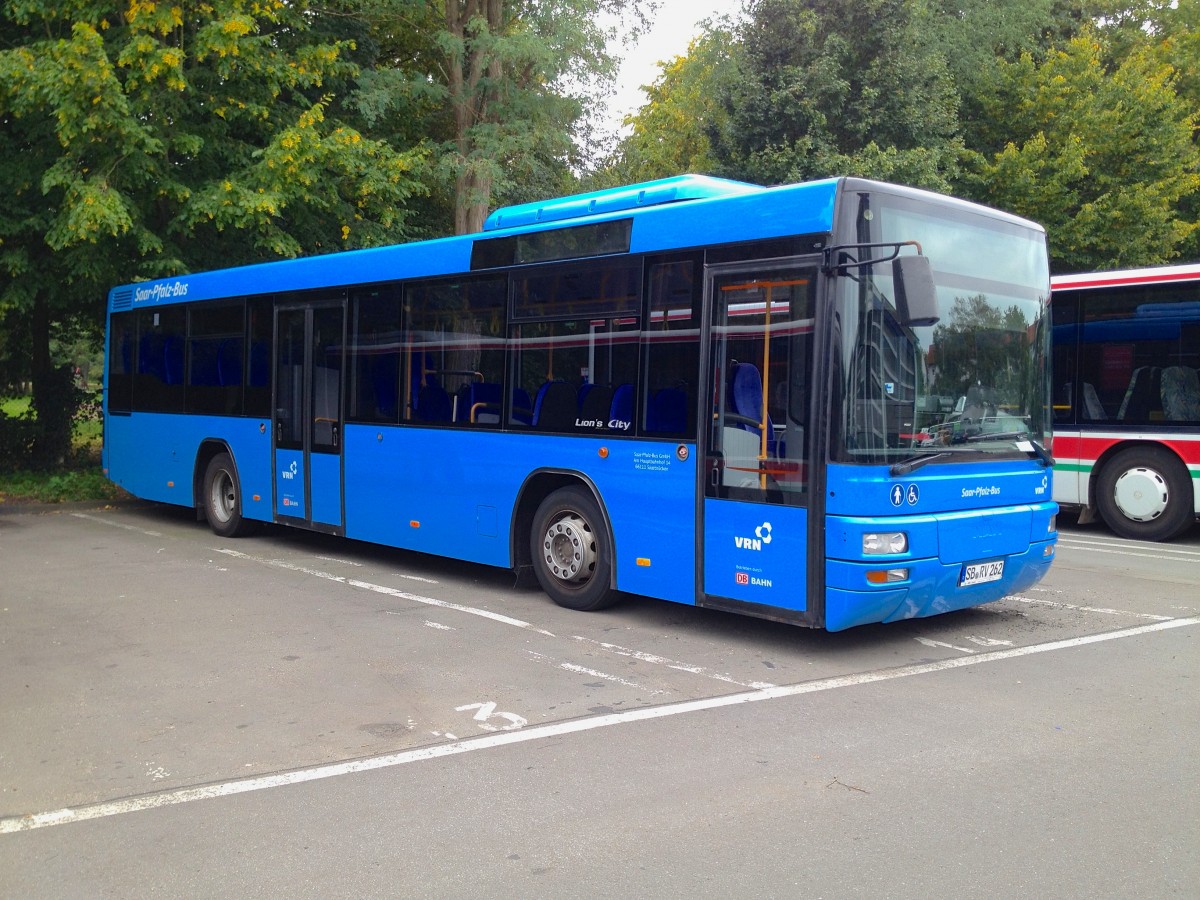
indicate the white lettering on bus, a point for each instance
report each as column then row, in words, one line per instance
column 981, row 492
column 161, row 291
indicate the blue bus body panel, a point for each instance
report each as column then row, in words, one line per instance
column 954, row 515
column 756, row 553
column 290, row 476
column 325, row 472
column 451, row 492
column 152, row 456
column 755, row 215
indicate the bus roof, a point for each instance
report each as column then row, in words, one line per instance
column 672, row 214
column 666, row 216
column 622, row 199
column 1126, row 277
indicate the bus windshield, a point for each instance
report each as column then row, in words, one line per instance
column 973, row 382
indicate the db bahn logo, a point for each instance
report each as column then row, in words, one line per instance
column 742, row 578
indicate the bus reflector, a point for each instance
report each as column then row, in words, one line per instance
column 414, row 524
column 642, row 561
column 170, row 484
column 257, row 498
column 887, row 576
column 604, row 453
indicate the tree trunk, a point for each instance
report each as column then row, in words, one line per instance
column 472, row 105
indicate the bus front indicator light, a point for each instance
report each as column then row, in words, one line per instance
column 887, row 576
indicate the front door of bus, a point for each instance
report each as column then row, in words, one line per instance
column 309, row 364
column 755, row 516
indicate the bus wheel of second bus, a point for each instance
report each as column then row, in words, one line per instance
column 1145, row 493
column 222, row 497
column 570, row 550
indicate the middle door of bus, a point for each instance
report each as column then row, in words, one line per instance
column 755, row 515
column 309, row 373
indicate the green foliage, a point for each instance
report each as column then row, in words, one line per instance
column 65, row 485
column 674, row 131
column 154, row 139
column 841, row 87
column 1103, row 158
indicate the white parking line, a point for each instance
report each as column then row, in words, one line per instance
column 382, row 589
column 592, row 673
column 1159, row 552
column 1058, row 604
column 112, row 524
column 13, row 824
column 671, row 663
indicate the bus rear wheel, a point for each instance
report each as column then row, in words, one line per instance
column 570, row 551
column 1145, row 493
column 222, row 497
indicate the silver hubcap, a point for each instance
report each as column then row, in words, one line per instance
column 224, row 498
column 1141, row 494
column 569, row 549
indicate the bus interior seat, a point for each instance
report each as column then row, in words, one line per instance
column 747, row 394
column 620, row 411
column 595, row 400
column 433, row 403
column 554, row 408
column 173, row 359
column 1180, row 394
column 205, row 370
column 1092, row 407
column 229, row 363
column 522, row 408
column 668, row 411
column 479, row 402
column 1143, row 396
column 385, row 377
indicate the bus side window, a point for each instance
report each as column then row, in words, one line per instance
column 574, row 344
column 122, row 347
column 453, row 340
column 672, row 342
column 158, row 381
column 376, row 351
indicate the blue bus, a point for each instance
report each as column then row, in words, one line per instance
column 825, row 404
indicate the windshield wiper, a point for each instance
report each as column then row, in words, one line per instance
column 1024, row 441
column 913, row 463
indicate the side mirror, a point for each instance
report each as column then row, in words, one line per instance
column 916, row 295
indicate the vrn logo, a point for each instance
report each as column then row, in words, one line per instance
column 762, row 535
column 290, row 472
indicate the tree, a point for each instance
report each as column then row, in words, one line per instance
column 672, row 133
column 511, row 77
column 159, row 139
column 1102, row 158
column 835, row 87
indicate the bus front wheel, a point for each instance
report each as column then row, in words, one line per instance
column 222, row 497
column 1145, row 493
column 570, row 550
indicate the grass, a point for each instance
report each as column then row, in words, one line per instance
column 80, row 480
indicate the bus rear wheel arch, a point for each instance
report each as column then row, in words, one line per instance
column 571, row 552
column 1145, row 493
column 221, row 497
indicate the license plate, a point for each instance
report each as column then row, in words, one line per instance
column 981, row 573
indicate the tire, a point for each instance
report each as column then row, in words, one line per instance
column 1145, row 493
column 222, row 497
column 570, row 548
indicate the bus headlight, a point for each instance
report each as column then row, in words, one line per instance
column 1053, row 526
column 883, row 543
